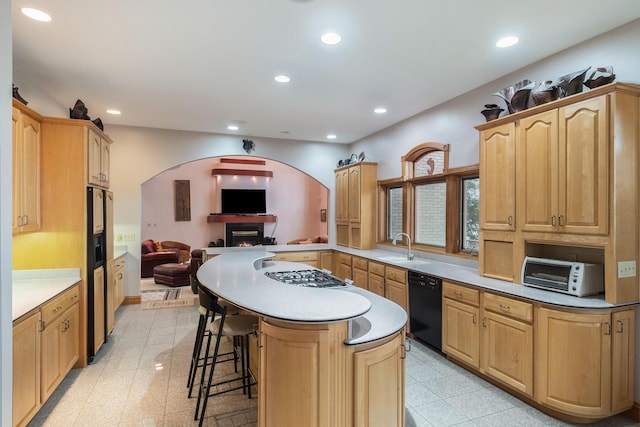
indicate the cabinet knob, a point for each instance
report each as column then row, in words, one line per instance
column 619, row 326
column 561, row 220
column 510, row 220
column 553, row 220
column 505, row 307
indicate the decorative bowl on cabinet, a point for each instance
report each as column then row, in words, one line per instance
column 517, row 96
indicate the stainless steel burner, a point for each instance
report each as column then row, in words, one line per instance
column 307, row 278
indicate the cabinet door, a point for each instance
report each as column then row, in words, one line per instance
column 573, row 362
column 376, row 284
column 98, row 309
column 105, row 162
column 623, row 372
column 111, row 290
column 507, row 351
column 354, row 194
column 26, row 172
column 98, row 211
column 342, row 195
column 538, row 172
column 379, row 385
column 460, row 333
column 70, row 339
column 584, row 167
column 308, row 354
column 26, row 369
column 397, row 292
column 51, row 372
column 360, row 278
column 498, row 178
column 119, row 279
column 93, row 158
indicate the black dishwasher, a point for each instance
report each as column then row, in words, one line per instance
column 425, row 308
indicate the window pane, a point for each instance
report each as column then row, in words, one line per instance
column 470, row 214
column 429, row 164
column 394, row 211
column 431, row 213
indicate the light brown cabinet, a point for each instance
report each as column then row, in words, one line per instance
column 110, row 286
column 98, row 309
column 26, row 170
column 356, row 205
column 376, row 278
column 396, row 286
column 563, row 169
column 26, row 369
column 379, row 385
column 119, row 280
column 491, row 333
column 555, row 182
column 359, row 269
column 305, row 257
column 344, row 266
column 46, row 346
column 99, row 159
column 575, row 355
column 498, row 178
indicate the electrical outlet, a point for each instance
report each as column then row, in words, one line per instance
column 130, row 237
column 626, row 269
column 119, row 237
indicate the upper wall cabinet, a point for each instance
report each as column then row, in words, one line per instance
column 99, row 157
column 561, row 179
column 498, row 178
column 356, row 205
column 26, row 169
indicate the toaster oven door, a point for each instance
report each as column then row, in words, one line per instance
column 547, row 275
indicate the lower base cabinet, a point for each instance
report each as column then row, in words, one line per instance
column 26, row 369
column 579, row 364
column 46, row 346
column 584, row 361
column 308, row 377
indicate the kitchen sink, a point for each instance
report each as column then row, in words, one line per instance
column 403, row 260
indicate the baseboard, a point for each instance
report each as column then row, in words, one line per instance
column 634, row 412
column 134, row 299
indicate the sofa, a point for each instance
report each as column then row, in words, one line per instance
column 154, row 253
column 183, row 249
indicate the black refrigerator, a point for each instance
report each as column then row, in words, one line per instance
column 96, row 271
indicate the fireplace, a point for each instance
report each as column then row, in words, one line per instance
column 244, row 233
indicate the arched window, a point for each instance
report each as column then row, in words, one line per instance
column 437, row 206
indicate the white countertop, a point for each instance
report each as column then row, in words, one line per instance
column 239, row 277
column 446, row 267
column 32, row 288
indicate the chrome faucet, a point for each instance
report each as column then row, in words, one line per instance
column 395, row 239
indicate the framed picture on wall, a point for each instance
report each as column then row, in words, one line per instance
column 182, row 199
column 323, row 215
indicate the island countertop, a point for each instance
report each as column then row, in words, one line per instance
column 239, row 277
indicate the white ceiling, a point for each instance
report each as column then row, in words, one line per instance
column 198, row 65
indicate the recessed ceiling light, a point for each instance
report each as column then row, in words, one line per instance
column 113, row 111
column 233, row 127
column 507, row 41
column 331, row 38
column 35, row 14
column 331, row 136
column 282, row 78
column 380, row 110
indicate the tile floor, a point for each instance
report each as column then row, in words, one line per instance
column 139, row 379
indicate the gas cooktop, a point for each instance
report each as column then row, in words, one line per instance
column 307, row 278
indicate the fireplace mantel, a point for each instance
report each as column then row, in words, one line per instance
column 241, row 218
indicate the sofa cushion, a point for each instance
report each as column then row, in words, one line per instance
column 148, row 247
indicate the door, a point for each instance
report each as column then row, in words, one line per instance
column 26, row 369
column 460, row 333
column 498, row 178
column 98, row 211
column 623, row 351
column 98, row 309
column 584, row 167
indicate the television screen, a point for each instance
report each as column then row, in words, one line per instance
column 236, row 201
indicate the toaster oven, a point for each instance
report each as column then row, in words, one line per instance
column 569, row 277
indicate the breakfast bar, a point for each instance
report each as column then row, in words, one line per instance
column 323, row 351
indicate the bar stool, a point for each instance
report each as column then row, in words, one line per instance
column 238, row 327
column 202, row 332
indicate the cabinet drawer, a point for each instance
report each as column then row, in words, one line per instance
column 296, row 256
column 508, row 306
column 396, row 274
column 59, row 304
column 344, row 259
column 461, row 293
column 360, row 263
column 375, row 268
column 119, row 263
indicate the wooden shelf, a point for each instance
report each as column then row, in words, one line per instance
column 242, row 218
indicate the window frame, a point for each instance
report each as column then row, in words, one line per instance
column 453, row 179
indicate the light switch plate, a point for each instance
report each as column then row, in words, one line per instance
column 626, row 269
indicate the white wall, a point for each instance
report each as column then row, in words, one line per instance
column 293, row 196
column 6, row 335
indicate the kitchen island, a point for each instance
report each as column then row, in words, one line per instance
column 327, row 356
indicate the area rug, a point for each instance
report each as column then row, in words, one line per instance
column 166, row 298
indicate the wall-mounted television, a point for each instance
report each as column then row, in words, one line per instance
column 243, row 201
